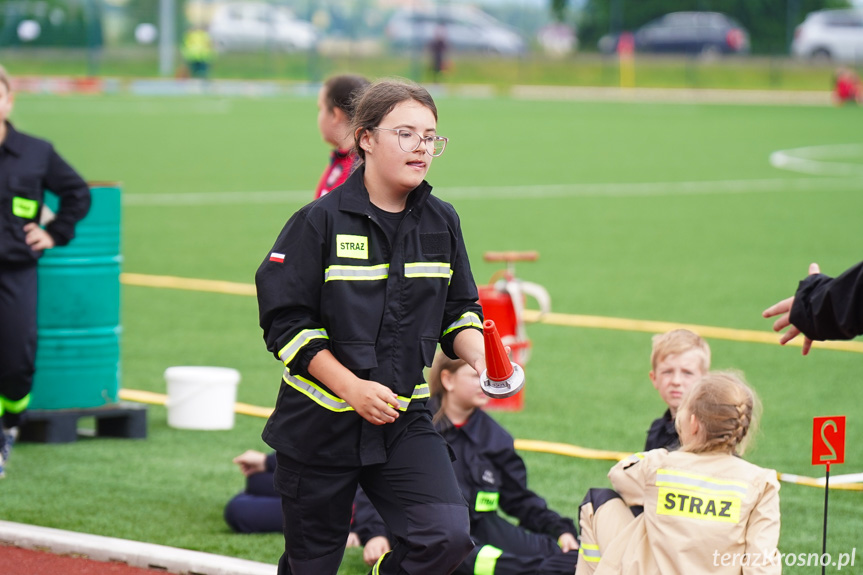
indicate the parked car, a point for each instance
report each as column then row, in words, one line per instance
column 557, row 39
column 249, row 26
column 830, row 35
column 465, row 28
column 705, row 33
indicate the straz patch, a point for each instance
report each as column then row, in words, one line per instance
column 487, row 501
column 24, row 207
column 354, row 247
column 698, row 505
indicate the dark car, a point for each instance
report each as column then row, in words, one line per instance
column 706, row 33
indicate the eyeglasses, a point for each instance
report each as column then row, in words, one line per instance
column 411, row 141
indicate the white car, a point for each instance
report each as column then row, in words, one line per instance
column 830, row 35
column 465, row 28
column 250, row 26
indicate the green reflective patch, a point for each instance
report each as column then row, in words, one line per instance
column 356, row 247
column 24, row 207
column 487, row 501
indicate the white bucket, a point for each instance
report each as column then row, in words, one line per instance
column 201, row 397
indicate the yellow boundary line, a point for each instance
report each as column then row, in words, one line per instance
column 648, row 326
column 560, row 319
column 535, row 445
column 190, row 284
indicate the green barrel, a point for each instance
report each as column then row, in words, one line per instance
column 78, row 358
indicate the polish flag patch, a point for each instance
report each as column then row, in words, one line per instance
column 277, row 257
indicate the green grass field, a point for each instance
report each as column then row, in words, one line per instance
column 646, row 211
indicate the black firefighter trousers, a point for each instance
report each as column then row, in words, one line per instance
column 18, row 336
column 415, row 491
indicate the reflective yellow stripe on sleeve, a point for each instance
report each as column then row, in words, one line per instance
column 486, row 560
column 16, row 406
column 589, row 553
column 287, row 353
column 469, row 319
column 335, row 403
column 377, row 568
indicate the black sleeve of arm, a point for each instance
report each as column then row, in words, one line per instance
column 289, row 289
column 830, row 308
column 74, row 194
column 462, row 299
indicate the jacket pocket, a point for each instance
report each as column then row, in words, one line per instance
column 355, row 355
column 28, row 186
column 26, row 197
column 286, row 482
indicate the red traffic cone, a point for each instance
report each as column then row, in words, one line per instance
column 502, row 378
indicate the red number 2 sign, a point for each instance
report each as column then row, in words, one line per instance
column 828, row 440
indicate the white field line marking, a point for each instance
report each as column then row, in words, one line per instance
column 560, row 319
column 821, row 160
column 153, row 107
column 217, row 198
column 522, row 192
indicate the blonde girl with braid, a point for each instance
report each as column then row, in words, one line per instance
column 705, row 509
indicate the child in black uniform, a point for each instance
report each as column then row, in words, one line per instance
column 28, row 166
column 679, row 358
column 359, row 288
column 491, row 476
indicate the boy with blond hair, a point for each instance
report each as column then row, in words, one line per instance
column 679, row 358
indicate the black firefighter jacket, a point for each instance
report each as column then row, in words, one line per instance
column 29, row 166
column 830, row 308
column 333, row 281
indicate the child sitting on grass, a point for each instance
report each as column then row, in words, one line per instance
column 679, row 358
column 703, row 504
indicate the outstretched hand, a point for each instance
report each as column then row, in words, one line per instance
column 784, row 308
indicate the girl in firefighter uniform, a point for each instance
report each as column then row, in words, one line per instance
column 28, row 167
column 357, row 292
column 706, row 510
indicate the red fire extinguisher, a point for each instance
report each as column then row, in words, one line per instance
column 502, row 301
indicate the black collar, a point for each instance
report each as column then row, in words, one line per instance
column 13, row 142
column 355, row 196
